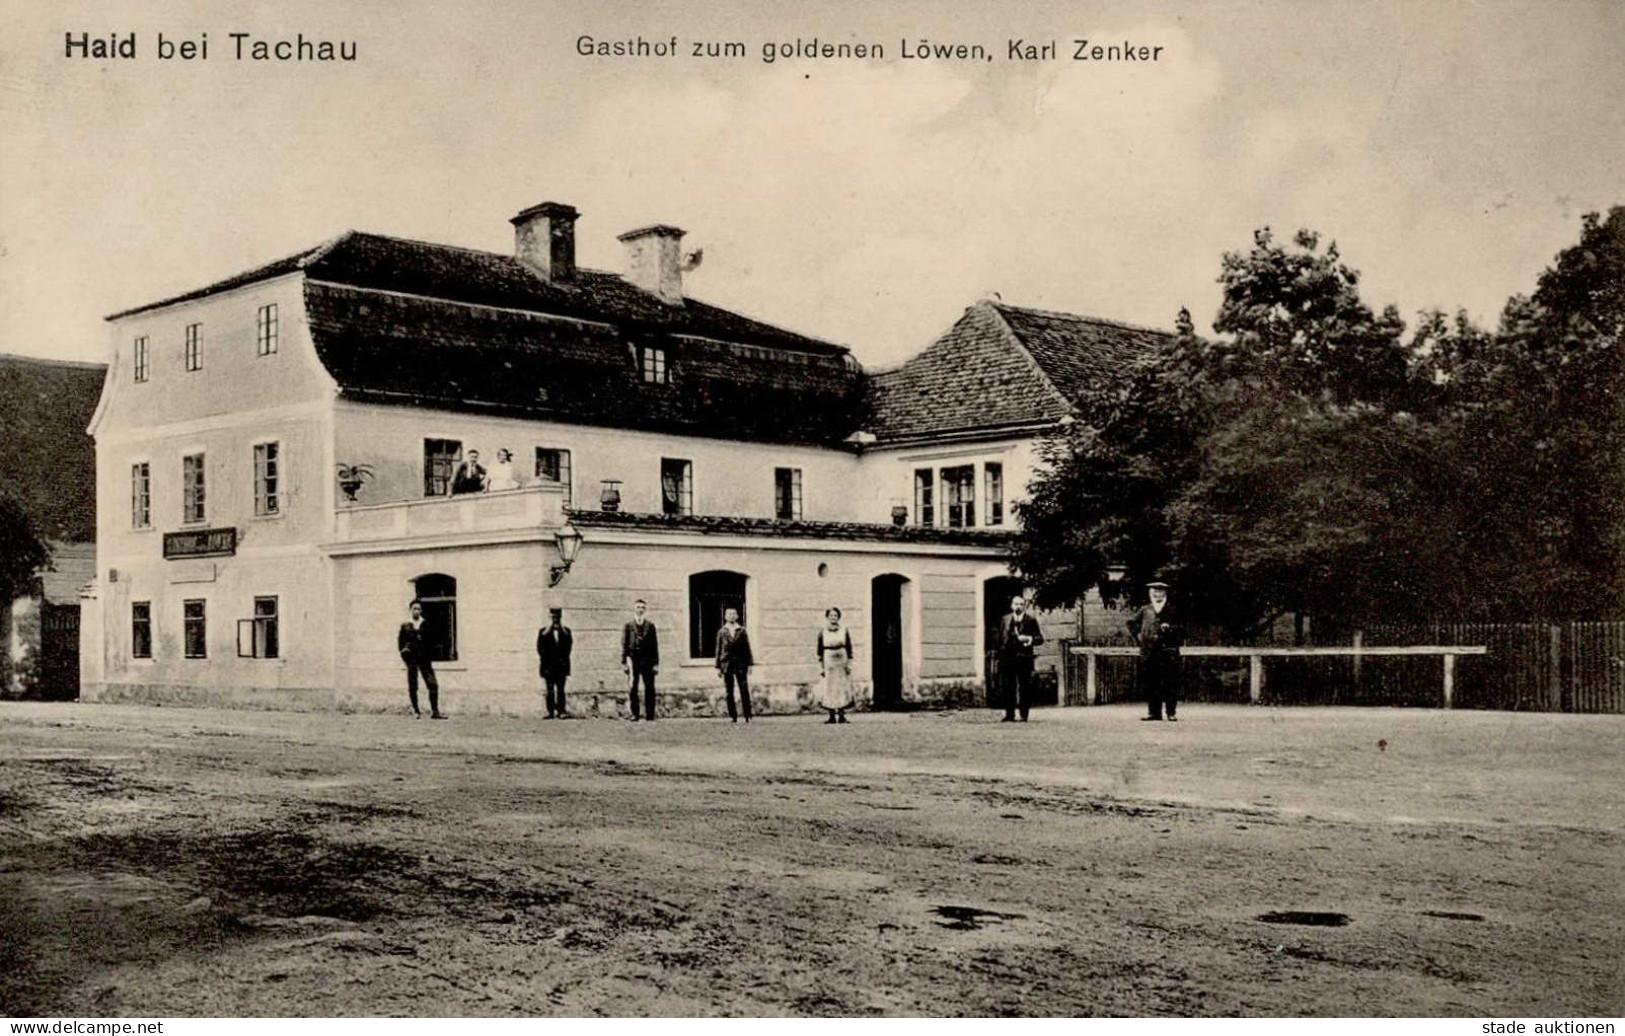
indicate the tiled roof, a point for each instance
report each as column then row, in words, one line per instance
column 729, row 525
column 1000, row 366
column 47, row 461
column 408, row 322
column 1077, row 352
column 391, row 348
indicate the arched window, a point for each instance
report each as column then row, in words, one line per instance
column 708, row 594
column 438, row 594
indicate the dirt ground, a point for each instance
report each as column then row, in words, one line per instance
column 161, row 862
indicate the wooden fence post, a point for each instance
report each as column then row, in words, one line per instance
column 1554, row 692
column 1255, row 678
column 1449, row 680
column 1089, row 685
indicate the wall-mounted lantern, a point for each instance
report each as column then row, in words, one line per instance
column 568, row 540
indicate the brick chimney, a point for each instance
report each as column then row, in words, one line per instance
column 544, row 239
column 654, row 261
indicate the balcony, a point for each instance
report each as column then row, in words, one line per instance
column 507, row 516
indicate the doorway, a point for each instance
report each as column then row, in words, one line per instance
column 886, row 635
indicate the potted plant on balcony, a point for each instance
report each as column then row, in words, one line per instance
column 609, row 498
column 352, row 477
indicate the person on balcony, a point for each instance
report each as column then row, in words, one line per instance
column 470, row 477
column 502, row 473
column 734, row 661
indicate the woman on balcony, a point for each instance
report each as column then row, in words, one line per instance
column 835, row 659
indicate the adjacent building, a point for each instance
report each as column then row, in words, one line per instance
column 277, row 456
column 48, row 466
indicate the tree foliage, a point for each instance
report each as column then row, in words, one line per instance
column 1309, row 459
column 23, row 554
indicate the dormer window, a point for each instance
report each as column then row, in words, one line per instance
column 652, row 362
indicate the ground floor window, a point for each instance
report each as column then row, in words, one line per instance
column 196, row 628
column 258, row 637
column 709, row 594
column 438, row 595
column 141, row 629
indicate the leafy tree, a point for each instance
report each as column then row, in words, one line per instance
column 1310, row 460
column 23, row 554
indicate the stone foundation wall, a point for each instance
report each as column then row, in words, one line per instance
column 766, row 699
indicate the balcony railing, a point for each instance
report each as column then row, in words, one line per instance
column 466, row 516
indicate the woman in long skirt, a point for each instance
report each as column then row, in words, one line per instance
column 835, row 659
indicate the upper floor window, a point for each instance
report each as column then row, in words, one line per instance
column 138, row 358
column 141, row 495
column 196, row 619
column 440, row 460
column 652, row 361
column 140, row 629
column 194, row 347
column 192, row 494
column 959, row 492
column 267, row 479
column 676, row 486
column 787, row 494
column 265, row 329
column 993, row 479
column 553, row 467
column 925, row 511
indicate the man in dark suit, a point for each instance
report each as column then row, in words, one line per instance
column 1018, row 635
column 470, row 477
column 411, row 643
column 1156, row 629
column 640, row 658
column 553, row 644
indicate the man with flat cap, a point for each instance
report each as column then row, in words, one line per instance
column 1155, row 627
column 553, row 644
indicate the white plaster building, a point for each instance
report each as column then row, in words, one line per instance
column 753, row 466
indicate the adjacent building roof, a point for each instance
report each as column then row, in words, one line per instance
column 47, row 461
column 1001, row 366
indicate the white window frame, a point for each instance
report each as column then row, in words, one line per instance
column 795, row 500
column 267, row 329
column 141, row 357
column 566, row 470
column 186, row 628
column 252, row 636
column 685, row 487
column 193, row 347
column 198, row 486
column 267, row 498
column 141, row 494
column 657, row 372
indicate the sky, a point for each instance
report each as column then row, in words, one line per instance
column 1448, row 148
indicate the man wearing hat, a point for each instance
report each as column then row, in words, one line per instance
column 553, row 643
column 1156, row 629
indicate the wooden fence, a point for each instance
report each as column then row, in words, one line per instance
column 1548, row 667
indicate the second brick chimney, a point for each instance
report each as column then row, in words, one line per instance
column 544, row 239
column 654, row 261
